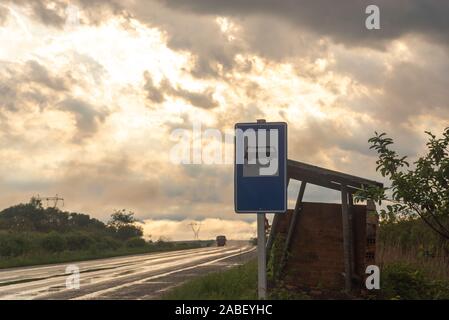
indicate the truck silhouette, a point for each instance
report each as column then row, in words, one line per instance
column 221, row 241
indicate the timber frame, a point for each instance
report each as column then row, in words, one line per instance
column 346, row 184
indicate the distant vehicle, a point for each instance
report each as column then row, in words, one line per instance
column 221, row 241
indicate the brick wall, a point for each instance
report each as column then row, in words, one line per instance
column 316, row 251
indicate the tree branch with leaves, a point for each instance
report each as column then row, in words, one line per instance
column 421, row 190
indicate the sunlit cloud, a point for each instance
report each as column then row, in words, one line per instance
column 88, row 105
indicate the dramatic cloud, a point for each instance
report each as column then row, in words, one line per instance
column 87, row 117
column 199, row 99
column 203, row 99
column 91, row 91
column 343, row 21
column 22, row 84
column 154, row 93
column 38, row 74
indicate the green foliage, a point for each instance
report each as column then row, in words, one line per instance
column 402, row 281
column 13, row 245
column 238, row 283
column 162, row 243
column 421, row 191
column 410, row 233
column 107, row 243
column 54, row 242
column 136, row 243
column 121, row 217
column 128, row 232
column 31, row 234
column 123, row 225
column 275, row 258
column 78, row 241
column 101, row 247
column 33, row 217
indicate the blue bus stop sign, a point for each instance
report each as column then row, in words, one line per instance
column 260, row 167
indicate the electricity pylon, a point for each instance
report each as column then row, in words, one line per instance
column 196, row 226
column 50, row 200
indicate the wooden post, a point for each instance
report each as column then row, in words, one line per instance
column 293, row 219
column 371, row 206
column 291, row 228
column 271, row 236
column 274, row 223
column 347, row 238
column 351, row 231
column 351, row 199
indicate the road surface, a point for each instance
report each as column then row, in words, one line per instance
column 145, row 276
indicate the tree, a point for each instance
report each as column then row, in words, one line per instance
column 36, row 203
column 123, row 224
column 421, row 191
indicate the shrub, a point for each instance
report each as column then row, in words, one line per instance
column 126, row 232
column 136, row 243
column 275, row 258
column 402, row 281
column 53, row 242
column 78, row 242
column 111, row 243
column 13, row 246
column 106, row 243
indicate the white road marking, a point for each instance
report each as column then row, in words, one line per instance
column 112, row 289
column 98, row 272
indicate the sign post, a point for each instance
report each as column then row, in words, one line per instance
column 261, row 259
column 260, row 179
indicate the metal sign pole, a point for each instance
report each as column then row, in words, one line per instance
column 261, row 251
column 253, row 194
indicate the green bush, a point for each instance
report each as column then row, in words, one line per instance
column 53, row 242
column 136, row 243
column 162, row 244
column 110, row 243
column 13, row 246
column 403, row 281
column 128, row 231
column 275, row 258
column 77, row 242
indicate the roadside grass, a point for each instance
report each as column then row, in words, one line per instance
column 435, row 265
column 399, row 281
column 408, row 274
column 43, row 257
column 405, row 281
column 237, row 283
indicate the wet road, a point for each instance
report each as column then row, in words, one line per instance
column 144, row 276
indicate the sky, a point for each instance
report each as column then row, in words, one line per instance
column 92, row 91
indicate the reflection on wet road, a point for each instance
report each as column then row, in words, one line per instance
column 131, row 277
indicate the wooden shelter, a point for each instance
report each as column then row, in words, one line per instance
column 352, row 217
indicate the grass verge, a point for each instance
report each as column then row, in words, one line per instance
column 42, row 258
column 238, row 283
column 404, row 281
column 398, row 281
